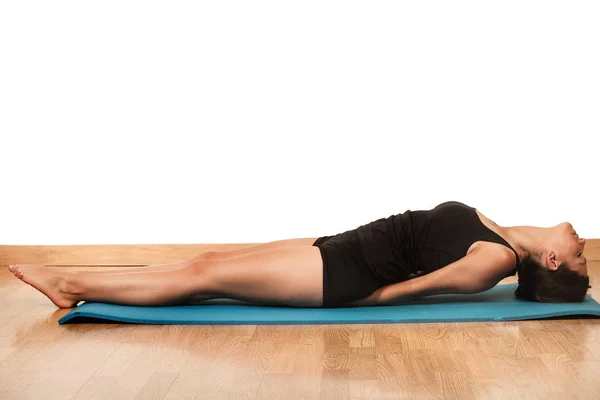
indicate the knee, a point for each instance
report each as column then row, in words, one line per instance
column 201, row 270
column 205, row 256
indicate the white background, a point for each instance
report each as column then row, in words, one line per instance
column 250, row 121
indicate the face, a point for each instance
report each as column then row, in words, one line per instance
column 568, row 248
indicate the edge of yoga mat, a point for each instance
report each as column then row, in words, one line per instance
column 496, row 304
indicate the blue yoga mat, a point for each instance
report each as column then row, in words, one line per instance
column 497, row 304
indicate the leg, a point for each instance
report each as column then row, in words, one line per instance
column 66, row 289
column 217, row 255
column 290, row 276
column 285, row 276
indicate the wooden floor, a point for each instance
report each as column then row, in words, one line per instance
column 39, row 359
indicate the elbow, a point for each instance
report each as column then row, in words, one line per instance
column 478, row 287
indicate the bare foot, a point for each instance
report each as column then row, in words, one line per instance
column 54, row 284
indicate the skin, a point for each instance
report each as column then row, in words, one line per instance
column 549, row 246
column 290, row 272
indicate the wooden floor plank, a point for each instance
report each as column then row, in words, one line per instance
column 141, row 254
column 550, row 359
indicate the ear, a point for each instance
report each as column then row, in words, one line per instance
column 552, row 262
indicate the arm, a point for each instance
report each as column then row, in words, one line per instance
column 395, row 293
column 477, row 272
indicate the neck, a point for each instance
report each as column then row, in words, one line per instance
column 528, row 241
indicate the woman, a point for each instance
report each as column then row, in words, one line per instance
column 452, row 248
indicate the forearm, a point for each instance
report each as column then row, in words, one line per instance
column 391, row 294
column 438, row 282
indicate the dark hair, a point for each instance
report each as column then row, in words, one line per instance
column 563, row 285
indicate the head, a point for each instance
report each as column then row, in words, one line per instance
column 558, row 273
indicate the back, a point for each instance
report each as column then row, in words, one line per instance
column 423, row 241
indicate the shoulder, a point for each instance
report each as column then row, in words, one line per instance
column 498, row 256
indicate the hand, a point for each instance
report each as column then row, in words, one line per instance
column 372, row 300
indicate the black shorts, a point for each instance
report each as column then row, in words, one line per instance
column 346, row 274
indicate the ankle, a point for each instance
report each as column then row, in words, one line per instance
column 71, row 285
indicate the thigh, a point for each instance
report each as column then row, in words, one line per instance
column 285, row 276
column 277, row 244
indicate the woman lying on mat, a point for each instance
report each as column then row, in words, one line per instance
column 450, row 249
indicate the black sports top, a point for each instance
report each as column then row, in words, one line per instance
column 424, row 240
